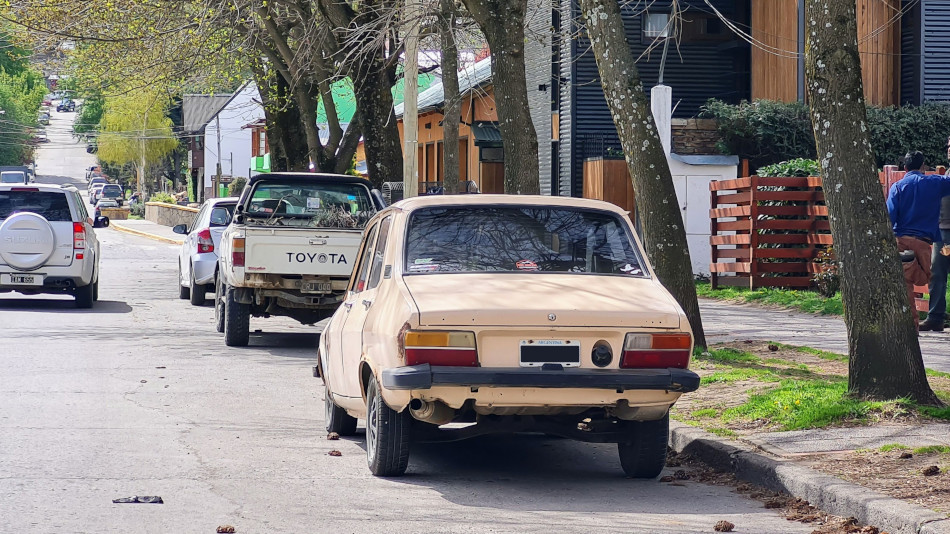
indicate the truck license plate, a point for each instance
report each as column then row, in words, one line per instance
column 537, row 352
column 317, row 287
column 22, row 279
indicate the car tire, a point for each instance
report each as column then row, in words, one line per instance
column 337, row 420
column 237, row 321
column 95, row 290
column 388, row 435
column 197, row 290
column 644, row 456
column 219, row 307
column 183, row 291
column 84, row 296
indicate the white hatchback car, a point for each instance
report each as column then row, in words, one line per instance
column 197, row 259
column 47, row 242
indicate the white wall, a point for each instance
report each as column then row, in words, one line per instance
column 691, row 181
column 243, row 109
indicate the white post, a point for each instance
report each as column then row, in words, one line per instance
column 410, row 116
column 661, row 102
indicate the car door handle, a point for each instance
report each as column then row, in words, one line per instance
column 347, row 305
column 367, row 304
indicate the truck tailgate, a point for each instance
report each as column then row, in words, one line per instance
column 302, row 251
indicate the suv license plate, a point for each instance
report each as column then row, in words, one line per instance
column 317, row 287
column 22, row 279
column 537, row 352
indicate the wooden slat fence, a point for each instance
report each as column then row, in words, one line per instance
column 767, row 231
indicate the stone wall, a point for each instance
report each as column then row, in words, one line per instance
column 695, row 137
column 169, row 214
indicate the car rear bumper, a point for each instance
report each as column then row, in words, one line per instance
column 426, row 376
column 203, row 266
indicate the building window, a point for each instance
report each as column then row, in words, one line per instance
column 655, row 26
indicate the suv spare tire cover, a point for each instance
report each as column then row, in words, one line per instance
column 26, row 241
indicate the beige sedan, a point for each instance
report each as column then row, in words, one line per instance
column 474, row 314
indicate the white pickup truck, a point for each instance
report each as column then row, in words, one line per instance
column 290, row 249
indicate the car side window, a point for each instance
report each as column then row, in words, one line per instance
column 378, row 252
column 80, row 207
column 363, row 272
column 197, row 219
column 220, row 216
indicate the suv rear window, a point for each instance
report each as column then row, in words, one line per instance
column 12, row 177
column 49, row 204
column 520, row 239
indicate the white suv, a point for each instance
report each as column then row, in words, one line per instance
column 47, row 242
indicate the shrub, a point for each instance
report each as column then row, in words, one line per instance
column 162, row 197
column 827, row 278
column 236, row 186
column 767, row 132
column 794, row 167
column 137, row 209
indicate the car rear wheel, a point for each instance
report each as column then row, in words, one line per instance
column 197, row 290
column 336, row 418
column 387, row 435
column 237, row 321
column 183, row 291
column 95, row 290
column 84, row 296
column 644, row 456
column 219, row 307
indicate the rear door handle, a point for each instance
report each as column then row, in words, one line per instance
column 347, row 305
column 367, row 304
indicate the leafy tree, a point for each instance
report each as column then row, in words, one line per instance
column 90, row 114
column 135, row 129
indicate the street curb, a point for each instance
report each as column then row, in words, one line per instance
column 140, row 233
column 828, row 493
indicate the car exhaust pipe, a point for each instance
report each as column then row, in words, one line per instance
column 436, row 413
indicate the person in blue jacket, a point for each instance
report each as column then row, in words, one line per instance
column 913, row 204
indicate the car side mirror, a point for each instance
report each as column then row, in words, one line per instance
column 180, row 229
column 101, row 222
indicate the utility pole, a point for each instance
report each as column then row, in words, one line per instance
column 410, row 117
column 217, row 174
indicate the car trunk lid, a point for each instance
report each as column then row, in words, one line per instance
column 523, row 299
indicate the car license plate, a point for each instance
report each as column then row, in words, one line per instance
column 317, row 287
column 537, row 352
column 22, row 279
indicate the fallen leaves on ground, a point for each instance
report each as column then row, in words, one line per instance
column 724, row 526
column 333, row 436
column 335, row 453
column 225, row 529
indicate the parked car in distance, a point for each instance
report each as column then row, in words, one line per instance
column 14, row 177
column 198, row 258
column 96, row 180
column 105, row 203
column 66, row 105
column 43, row 118
column 94, row 193
column 112, row 191
column 40, row 136
column 47, row 242
column 516, row 313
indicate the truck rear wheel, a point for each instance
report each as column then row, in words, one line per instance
column 219, row 306
column 237, row 320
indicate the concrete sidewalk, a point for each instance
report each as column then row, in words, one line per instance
column 148, row 229
column 726, row 321
column 776, row 460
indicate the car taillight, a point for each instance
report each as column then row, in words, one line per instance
column 656, row 351
column 237, row 252
column 205, row 243
column 440, row 348
column 79, row 236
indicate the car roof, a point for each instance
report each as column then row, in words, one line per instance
column 309, row 177
column 427, row 201
column 38, row 187
column 222, row 200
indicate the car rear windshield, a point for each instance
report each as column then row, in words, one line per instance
column 49, row 204
column 325, row 205
column 523, row 239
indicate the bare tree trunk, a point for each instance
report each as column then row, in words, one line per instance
column 664, row 234
column 288, row 144
column 503, row 22
column 884, row 352
column 374, row 100
column 452, row 107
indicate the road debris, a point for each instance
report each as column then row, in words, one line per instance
column 225, row 529
column 335, row 453
column 931, row 471
column 333, row 436
column 724, row 526
column 143, row 499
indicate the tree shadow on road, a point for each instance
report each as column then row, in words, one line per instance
column 65, row 306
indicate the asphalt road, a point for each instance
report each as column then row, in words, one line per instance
column 139, row 396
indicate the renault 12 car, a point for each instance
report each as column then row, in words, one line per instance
column 505, row 314
column 47, row 242
column 198, row 257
